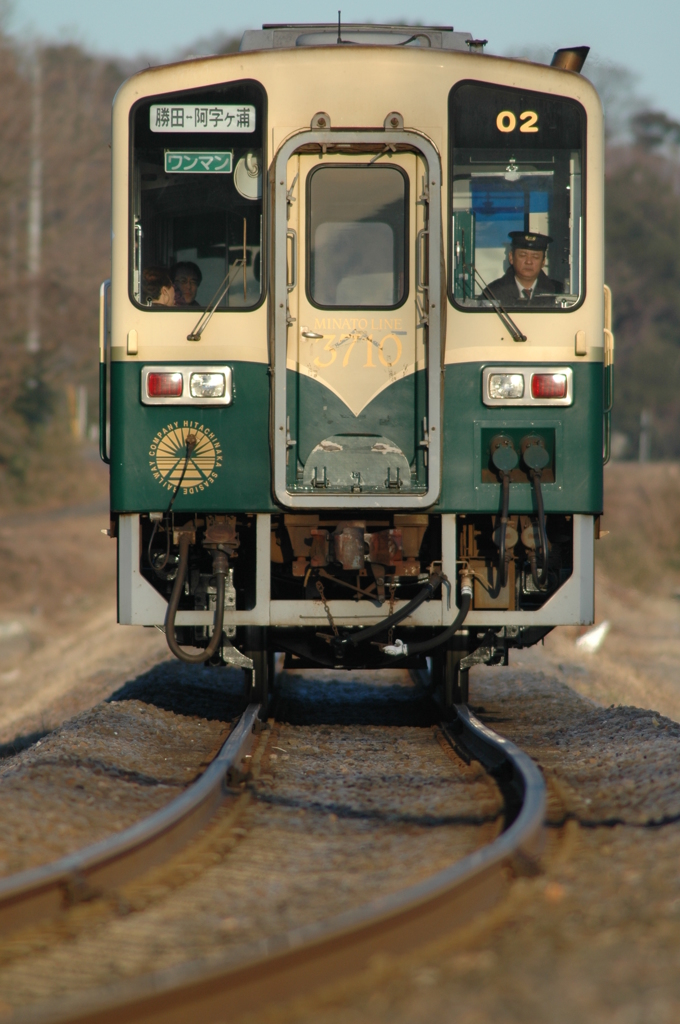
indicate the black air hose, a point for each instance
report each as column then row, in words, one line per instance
column 190, row 444
column 363, row 635
column 505, row 459
column 505, row 509
column 220, row 567
column 540, row 578
column 400, row 650
column 536, row 458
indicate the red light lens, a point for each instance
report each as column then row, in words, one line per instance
column 549, row 385
column 164, row 385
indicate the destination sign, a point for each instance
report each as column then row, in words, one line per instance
column 185, row 117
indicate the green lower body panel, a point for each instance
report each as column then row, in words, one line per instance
column 396, row 412
column 230, row 469
column 393, row 419
column 573, row 436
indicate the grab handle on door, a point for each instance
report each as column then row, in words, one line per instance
column 421, row 263
column 292, row 269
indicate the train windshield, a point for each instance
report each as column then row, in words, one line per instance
column 517, row 204
column 196, row 231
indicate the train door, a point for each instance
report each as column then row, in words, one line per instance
column 356, row 304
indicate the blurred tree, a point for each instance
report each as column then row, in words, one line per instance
column 35, row 401
column 643, row 270
column 77, row 94
column 652, row 129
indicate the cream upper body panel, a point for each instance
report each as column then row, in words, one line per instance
column 357, row 87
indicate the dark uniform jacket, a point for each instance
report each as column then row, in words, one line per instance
column 504, row 289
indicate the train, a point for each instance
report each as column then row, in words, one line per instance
column 356, row 351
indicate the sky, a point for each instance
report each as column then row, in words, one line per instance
column 640, row 37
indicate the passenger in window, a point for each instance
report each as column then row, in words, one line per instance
column 524, row 283
column 186, row 278
column 157, row 287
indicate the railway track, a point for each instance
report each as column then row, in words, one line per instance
column 45, row 891
column 302, row 959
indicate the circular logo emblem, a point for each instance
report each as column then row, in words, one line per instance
column 168, row 454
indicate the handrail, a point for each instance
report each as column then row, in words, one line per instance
column 291, row 283
column 608, row 382
column 104, row 371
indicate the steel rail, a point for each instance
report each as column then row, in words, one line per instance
column 46, row 890
column 277, row 969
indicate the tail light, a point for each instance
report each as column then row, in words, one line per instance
column 164, row 385
column 549, row 385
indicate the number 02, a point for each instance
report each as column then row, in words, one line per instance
column 507, row 122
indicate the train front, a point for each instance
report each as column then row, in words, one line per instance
column 354, row 353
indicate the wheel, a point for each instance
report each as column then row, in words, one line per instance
column 260, row 678
column 449, row 677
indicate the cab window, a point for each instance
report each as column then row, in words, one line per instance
column 517, row 229
column 357, row 217
column 197, row 199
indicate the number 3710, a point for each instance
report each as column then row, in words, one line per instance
column 507, row 121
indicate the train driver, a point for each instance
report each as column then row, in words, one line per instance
column 524, row 282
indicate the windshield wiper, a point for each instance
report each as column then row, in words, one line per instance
column 206, row 317
column 496, row 304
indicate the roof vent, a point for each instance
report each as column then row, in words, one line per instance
column 290, row 36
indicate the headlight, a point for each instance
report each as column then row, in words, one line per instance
column 207, row 385
column 506, row 385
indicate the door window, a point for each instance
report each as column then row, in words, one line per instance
column 357, row 244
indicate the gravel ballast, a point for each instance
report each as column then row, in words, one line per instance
column 108, row 767
column 340, row 811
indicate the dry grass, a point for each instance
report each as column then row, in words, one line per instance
column 54, row 472
column 642, row 514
